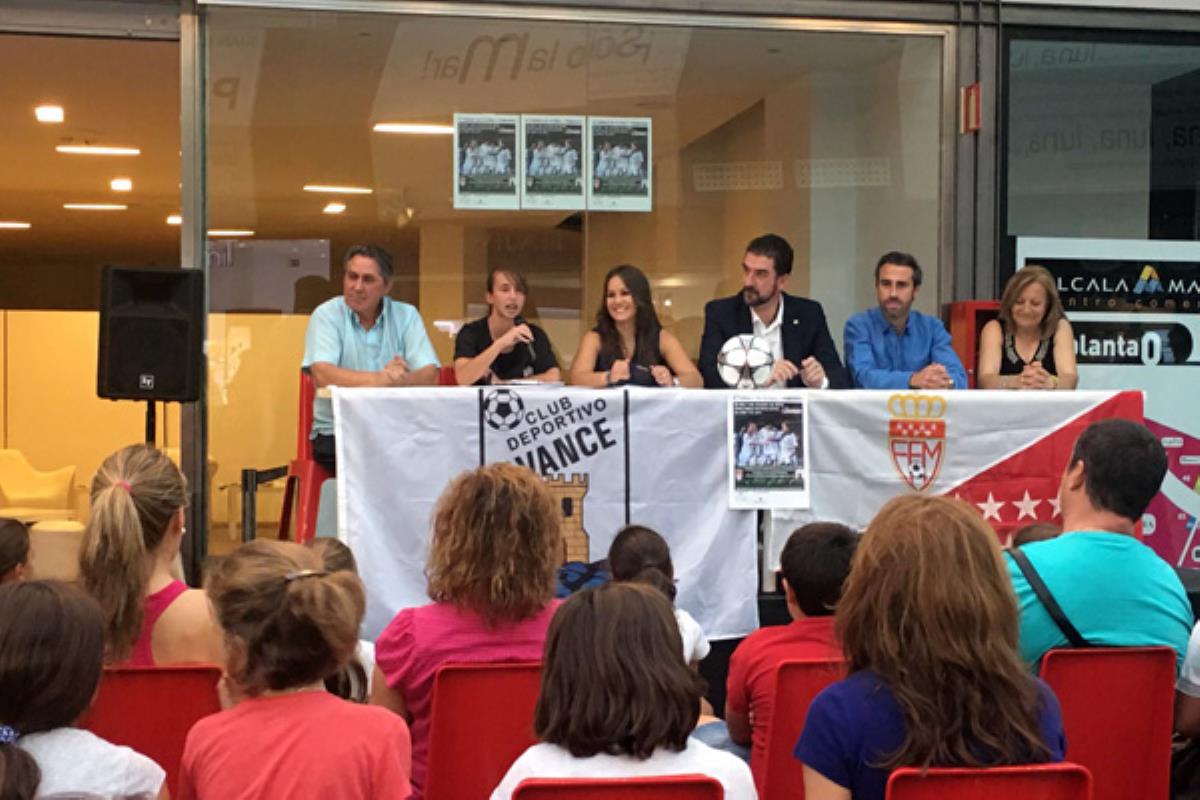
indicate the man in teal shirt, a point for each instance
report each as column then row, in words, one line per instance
column 1115, row 590
column 364, row 338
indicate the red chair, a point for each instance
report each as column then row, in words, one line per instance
column 668, row 787
column 1064, row 781
column 446, row 376
column 481, row 719
column 796, row 684
column 151, row 709
column 304, row 476
column 1117, row 704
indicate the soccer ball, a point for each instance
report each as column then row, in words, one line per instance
column 745, row 362
column 502, row 409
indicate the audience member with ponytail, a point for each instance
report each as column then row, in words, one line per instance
column 51, row 655
column 127, row 563
column 491, row 573
column 353, row 681
column 289, row 624
column 14, row 550
column 641, row 555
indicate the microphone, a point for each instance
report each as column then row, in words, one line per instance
column 519, row 320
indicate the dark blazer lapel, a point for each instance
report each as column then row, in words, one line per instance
column 792, row 326
column 743, row 312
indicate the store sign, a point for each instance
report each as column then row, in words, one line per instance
column 1100, row 284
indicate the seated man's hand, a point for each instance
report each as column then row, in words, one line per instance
column 812, row 373
column 933, row 376
column 662, row 375
column 781, row 373
column 394, row 371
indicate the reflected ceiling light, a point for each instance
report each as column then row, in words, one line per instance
column 318, row 187
column 175, row 219
column 121, row 184
column 417, row 128
column 14, row 225
column 49, row 114
column 95, row 206
column 334, row 208
column 97, row 150
column 229, row 232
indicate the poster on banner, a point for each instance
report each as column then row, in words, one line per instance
column 486, row 166
column 767, row 445
column 619, row 152
column 1134, row 308
column 555, row 169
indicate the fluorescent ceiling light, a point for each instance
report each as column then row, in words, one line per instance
column 95, row 206
column 13, row 225
column 121, row 184
column 418, row 128
column 334, row 208
column 317, row 187
column 229, row 232
column 175, row 219
column 97, row 150
column 48, row 113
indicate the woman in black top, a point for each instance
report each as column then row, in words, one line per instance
column 628, row 345
column 1031, row 346
column 502, row 346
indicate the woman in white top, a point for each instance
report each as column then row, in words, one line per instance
column 617, row 701
column 51, row 654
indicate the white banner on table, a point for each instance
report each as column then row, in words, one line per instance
column 768, row 452
column 555, row 162
column 1003, row 452
column 611, row 457
column 619, row 152
column 486, row 161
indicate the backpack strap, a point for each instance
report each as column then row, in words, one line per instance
column 1043, row 592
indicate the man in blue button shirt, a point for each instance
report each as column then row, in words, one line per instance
column 364, row 338
column 895, row 347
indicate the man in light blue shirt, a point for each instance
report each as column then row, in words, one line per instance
column 1112, row 588
column 364, row 338
column 895, row 347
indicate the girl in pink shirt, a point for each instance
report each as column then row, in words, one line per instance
column 496, row 547
column 289, row 624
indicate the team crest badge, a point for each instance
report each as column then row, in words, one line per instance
column 917, row 437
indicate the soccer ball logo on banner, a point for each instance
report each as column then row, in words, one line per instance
column 502, row 409
column 745, row 362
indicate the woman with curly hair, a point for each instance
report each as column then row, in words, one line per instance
column 628, row 344
column 928, row 623
column 491, row 575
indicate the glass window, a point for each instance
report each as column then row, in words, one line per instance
column 832, row 140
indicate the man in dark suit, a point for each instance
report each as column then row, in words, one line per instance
column 795, row 327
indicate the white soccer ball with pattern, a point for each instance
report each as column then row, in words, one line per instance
column 745, row 362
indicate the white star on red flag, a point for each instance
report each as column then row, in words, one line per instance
column 1027, row 506
column 991, row 507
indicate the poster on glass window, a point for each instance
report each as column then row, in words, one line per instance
column 768, row 453
column 485, row 162
column 555, row 168
column 619, row 157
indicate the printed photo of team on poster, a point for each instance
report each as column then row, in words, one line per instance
column 619, row 150
column 485, row 163
column 554, row 162
column 768, row 456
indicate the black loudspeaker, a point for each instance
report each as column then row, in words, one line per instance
column 150, row 334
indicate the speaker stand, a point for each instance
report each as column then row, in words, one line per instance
column 151, row 438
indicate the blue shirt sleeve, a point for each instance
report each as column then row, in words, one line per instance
column 825, row 742
column 418, row 350
column 942, row 352
column 323, row 339
column 1050, row 722
column 865, row 371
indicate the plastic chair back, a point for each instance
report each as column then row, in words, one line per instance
column 667, row 787
column 1064, row 781
column 446, row 376
column 151, row 709
column 797, row 682
column 302, row 488
column 1117, row 704
column 481, row 719
column 308, row 393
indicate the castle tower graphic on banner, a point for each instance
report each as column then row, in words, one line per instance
column 569, row 492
